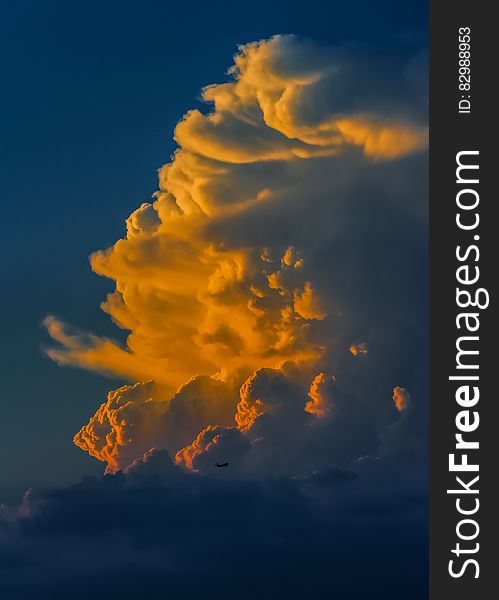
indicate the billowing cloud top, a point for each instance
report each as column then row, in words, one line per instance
column 244, row 281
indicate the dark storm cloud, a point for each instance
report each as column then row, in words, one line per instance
column 157, row 531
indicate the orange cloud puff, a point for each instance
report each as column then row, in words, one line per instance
column 251, row 404
column 401, row 398
column 126, row 419
column 194, row 309
column 136, row 418
column 358, row 348
column 320, row 403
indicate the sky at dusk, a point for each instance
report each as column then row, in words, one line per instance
column 215, row 250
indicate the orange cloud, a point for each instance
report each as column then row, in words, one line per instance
column 121, row 422
column 382, row 140
column 250, row 405
column 307, row 304
column 192, row 310
column 320, row 403
column 136, row 418
column 210, row 282
column 193, row 304
column 358, row 348
column 401, row 398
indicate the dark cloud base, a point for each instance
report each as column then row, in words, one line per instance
column 156, row 532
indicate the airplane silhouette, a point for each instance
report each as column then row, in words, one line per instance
column 222, row 464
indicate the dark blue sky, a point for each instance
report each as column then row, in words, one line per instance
column 91, row 94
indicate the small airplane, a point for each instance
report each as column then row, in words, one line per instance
column 226, row 464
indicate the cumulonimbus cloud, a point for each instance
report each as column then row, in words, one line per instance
column 226, row 279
